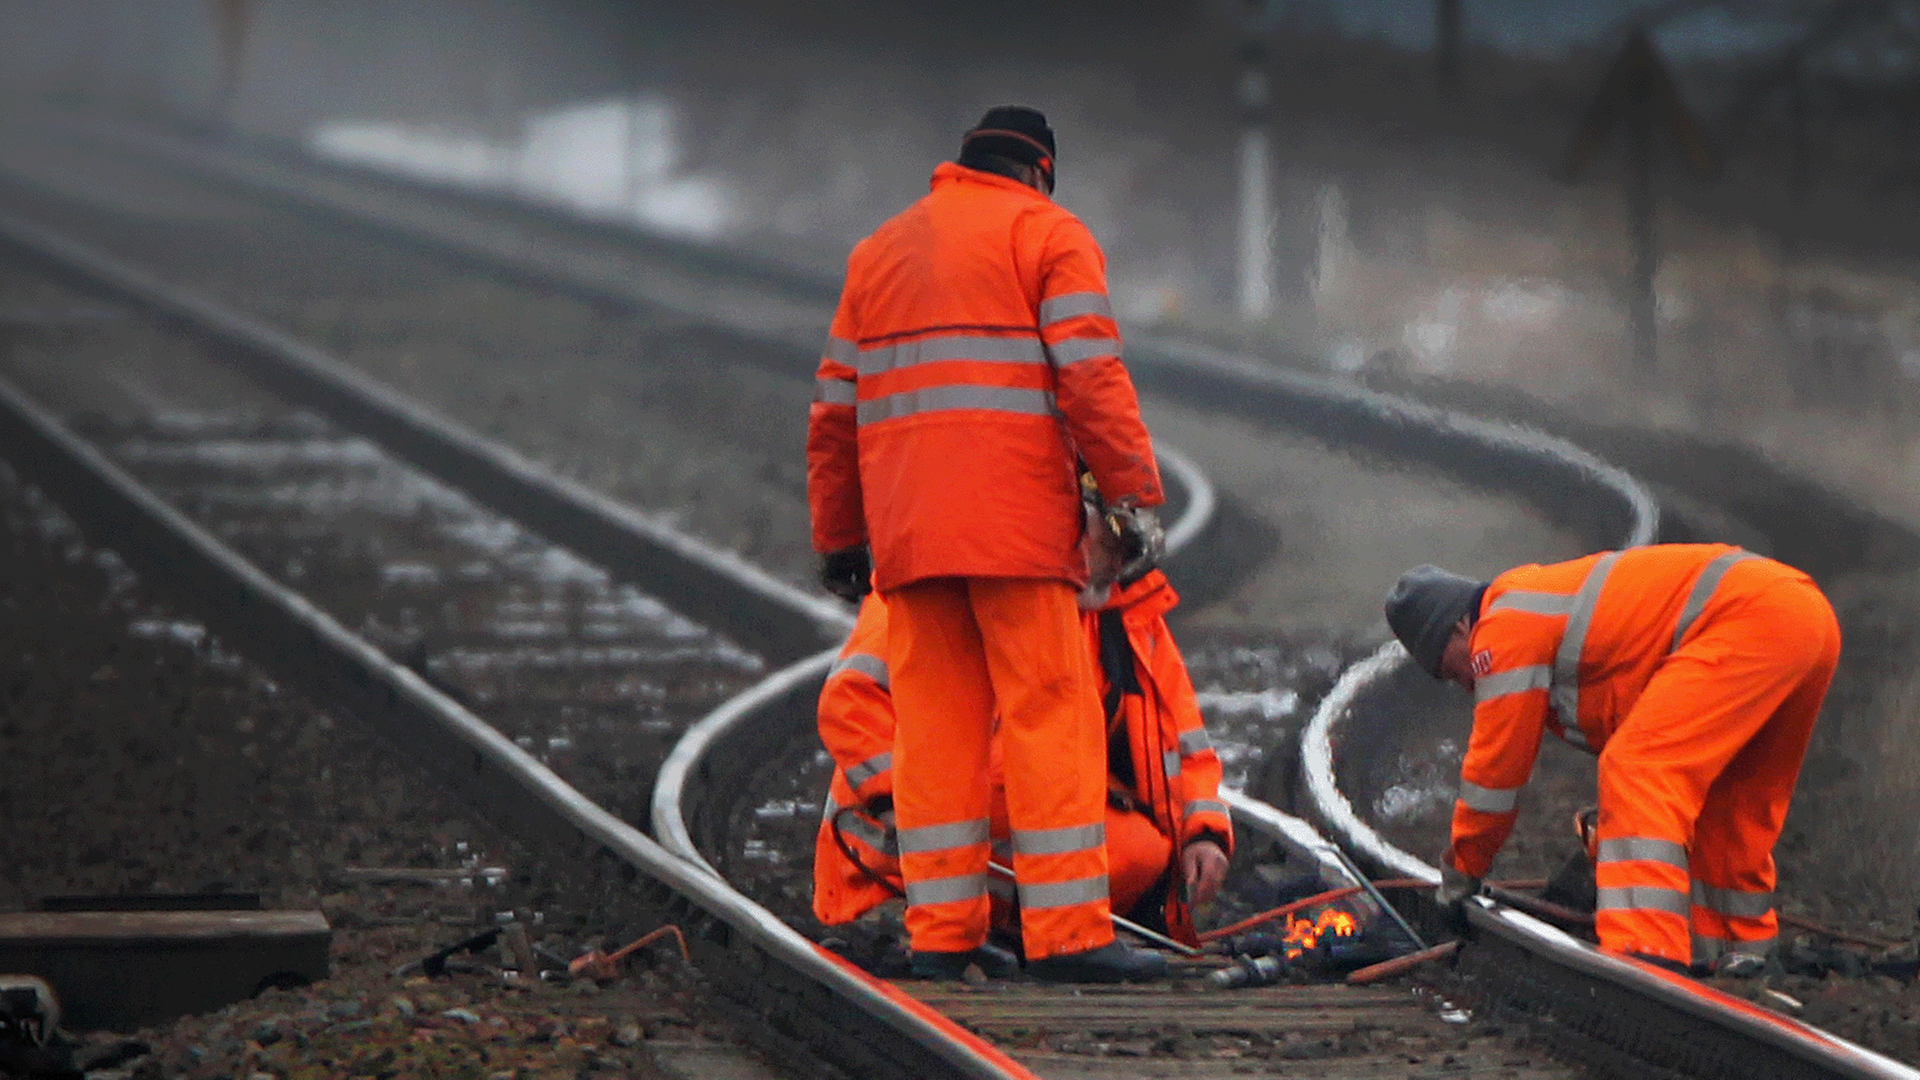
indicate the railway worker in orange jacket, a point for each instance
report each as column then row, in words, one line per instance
column 972, row 359
column 1694, row 672
column 1168, row 832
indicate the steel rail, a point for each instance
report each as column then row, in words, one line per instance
column 826, row 1014
column 1496, row 456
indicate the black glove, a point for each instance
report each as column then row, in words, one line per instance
column 1455, row 887
column 847, row 573
column 1143, row 543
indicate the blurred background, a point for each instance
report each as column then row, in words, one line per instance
column 1387, row 188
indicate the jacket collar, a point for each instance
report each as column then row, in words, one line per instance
column 952, row 172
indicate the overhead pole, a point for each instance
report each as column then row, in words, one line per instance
column 1638, row 90
column 1448, row 31
column 1256, row 279
column 232, row 20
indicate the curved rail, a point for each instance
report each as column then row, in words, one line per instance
column 751, row 958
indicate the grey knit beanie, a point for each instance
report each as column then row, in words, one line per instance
column 1424, row 606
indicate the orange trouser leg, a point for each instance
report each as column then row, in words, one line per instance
column 1732, row 854
column 1705, row 704
column 1137, row 854
column 943, row 702
column 1053, row 750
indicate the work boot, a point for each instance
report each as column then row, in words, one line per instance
column 994, row 962
column 1110, row 963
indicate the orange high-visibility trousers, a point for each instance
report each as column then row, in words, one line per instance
column 1694, row 785
column 963, row 651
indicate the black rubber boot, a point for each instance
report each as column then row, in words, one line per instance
column 994, row 962
column 1110, row 963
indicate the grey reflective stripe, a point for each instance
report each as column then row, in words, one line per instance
column 947, row 890
column 865, row 663
column 1733, row 902
column 1708, row 949
column 1573, row 641
column 870, row 768
column 1170, row 763
column 997, row 350
column 1063, row 894
column 1703, row 587
column 1643, row 849
column 942, row 837
column 863, row 829
column 1515, row 681
column 1488, row 800
column 1074, row 350
column 828, row 808
column 1194, row 740
column 1068, row 305
column 1204, row 806
column 835, row 391
column 1012, row 399
column 1060, row 841
column 1643, row 898
column 841, row 351
column 1533, row 603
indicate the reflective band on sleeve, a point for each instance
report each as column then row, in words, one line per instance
column 865, row 663
column 1060, row 841
column 1204, row 806
column 942, row 837
column 1703, row 588
column 1009, row 399
column 947, row 890
column 828, row 808
column 870, row 768
column 1074, row 350
column 1488, row 800
column 1643, row 898
column 1732, row 902
column 1063, row 894
column 997, row 350
column 1170, row 763
column 1533, row 603
column 864, row 829
column 841, row 351
column 1573, row 642
column 1068, row 305
column 835, row 391
column 1513, row 681
column 1194, row 740
column 1642, row 849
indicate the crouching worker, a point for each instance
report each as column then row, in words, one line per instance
column 1693, row 671
column 1168, row 835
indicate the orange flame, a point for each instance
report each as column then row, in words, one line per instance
column 1304, row 934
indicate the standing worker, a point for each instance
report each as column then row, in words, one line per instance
column 1694, row 671
column 973, row 357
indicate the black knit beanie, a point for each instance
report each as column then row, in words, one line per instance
column 1423, row 608
column 1013, row 132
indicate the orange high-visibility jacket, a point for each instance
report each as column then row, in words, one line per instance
column 972, row 356
column 1568, row 648
column 1175, row 771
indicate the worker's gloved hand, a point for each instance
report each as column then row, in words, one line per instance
column 847, row 573
column 1143, row 543
column 1455, row 887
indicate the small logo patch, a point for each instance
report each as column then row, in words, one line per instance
column 1482, row 662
